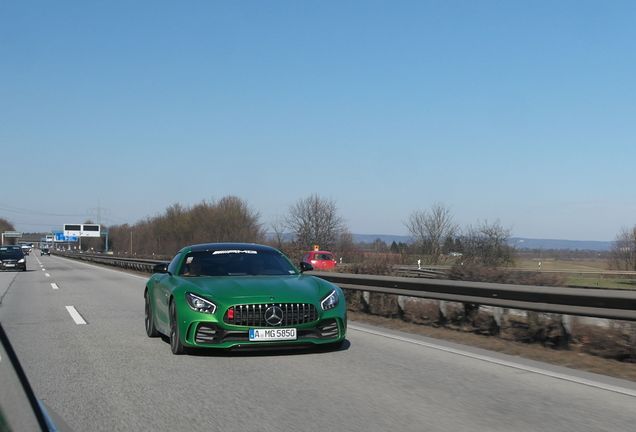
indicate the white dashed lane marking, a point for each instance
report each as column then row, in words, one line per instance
column 54, row 286
column 75, row 315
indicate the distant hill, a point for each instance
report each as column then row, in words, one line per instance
column 387, row 238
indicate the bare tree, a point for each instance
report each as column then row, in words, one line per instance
column 346, row 248
column 315, row 220
column 431, row 228
column 623, row 253
column 5, row 225
column 487, row 244
column 278, row 227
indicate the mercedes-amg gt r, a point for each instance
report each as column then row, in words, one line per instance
column 229, row 295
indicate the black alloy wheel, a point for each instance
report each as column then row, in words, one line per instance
column 176, row 346
column 151, row 331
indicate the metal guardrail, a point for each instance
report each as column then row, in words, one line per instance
column 141, row 265
column 600, row 303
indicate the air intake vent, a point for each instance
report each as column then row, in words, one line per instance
column 206, row 333
column 329, row 329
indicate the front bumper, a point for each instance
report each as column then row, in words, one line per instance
column 13, row 266
column 214, row 334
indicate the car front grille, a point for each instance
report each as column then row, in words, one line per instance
column 254, row 314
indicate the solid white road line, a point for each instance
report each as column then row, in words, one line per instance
column 75, row 315
column 574, row 379
column 54, row 286
column 47, row 275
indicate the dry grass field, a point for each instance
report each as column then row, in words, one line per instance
column 562, row 264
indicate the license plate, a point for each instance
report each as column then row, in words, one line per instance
column 9, row 265
column 276, row 334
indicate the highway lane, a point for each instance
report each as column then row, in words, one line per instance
column 107, row 375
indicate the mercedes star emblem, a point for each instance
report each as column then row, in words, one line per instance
column 273, row 315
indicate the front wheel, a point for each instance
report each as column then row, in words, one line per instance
column 176, row 346
column 151, row 330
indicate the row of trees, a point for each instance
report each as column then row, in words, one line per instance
column 5, row 225
column 436, row 234
column 315, row 220
column 228, row 219
column 311, row 220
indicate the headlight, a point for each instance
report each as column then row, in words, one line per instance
column 21, row 261
column 331, row 301
column 200, row 304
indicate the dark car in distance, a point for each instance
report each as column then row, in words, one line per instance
column 12, row 258
column 45, row 251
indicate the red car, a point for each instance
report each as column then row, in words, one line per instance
column 320, row 260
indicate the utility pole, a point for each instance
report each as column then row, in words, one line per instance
column 130, row 242
column 97, row 212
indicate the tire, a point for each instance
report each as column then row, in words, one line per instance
column 149, row 319
column 176, row 346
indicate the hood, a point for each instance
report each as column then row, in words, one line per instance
column 256, row 289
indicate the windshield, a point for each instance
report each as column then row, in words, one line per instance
column 11, row 253
column 236, row 263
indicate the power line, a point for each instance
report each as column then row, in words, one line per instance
column 19, row 210
column 101, row 214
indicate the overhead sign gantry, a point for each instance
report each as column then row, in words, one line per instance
column 10, row 234
column 82, row 230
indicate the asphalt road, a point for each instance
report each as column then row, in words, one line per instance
column 107, row 375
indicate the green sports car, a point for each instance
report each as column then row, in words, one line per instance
column 229, row 295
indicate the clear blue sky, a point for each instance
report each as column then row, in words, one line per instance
column 518, row 111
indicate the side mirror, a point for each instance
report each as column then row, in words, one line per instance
column 160, row 268
column 305, row 267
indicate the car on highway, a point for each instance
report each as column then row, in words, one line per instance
column 45, row 251
column 234, row 295
column 12, row 258
column 320, row 260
